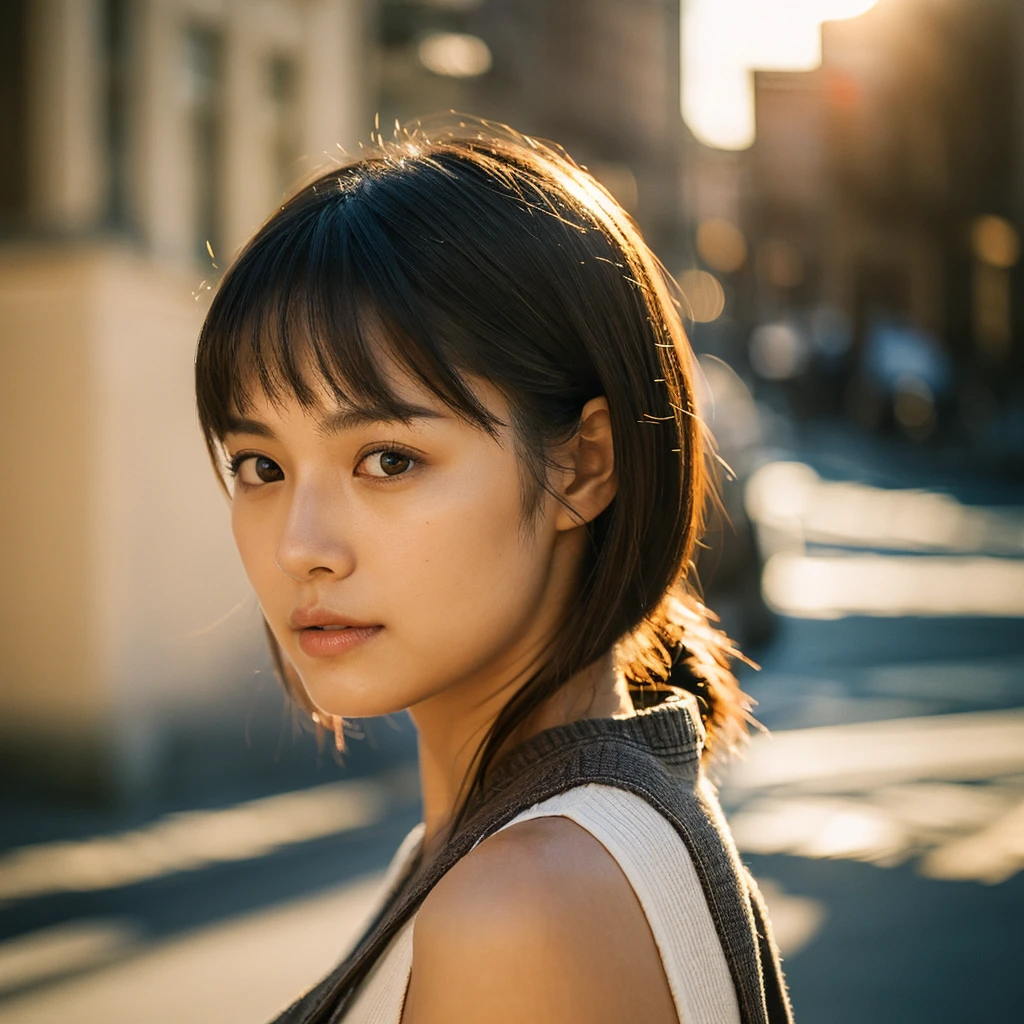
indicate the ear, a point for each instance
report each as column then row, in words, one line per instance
column 588, row 482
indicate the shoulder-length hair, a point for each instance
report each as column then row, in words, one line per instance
column 487, row 254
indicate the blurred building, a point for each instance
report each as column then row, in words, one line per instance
column 143, row 140
column 599, row 77
column 886, row 187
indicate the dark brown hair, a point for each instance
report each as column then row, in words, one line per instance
column 481, row 253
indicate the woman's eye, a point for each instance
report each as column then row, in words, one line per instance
column 387, row 463
column 258, row 469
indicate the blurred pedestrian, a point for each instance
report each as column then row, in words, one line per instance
column 452, row 400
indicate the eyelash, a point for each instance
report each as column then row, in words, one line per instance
column 398, row 449
column 235, row 463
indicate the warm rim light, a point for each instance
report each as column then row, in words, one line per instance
column 724, row 40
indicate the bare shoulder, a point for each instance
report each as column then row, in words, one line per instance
column 537, row 923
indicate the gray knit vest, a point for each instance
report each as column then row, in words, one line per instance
column 655, row 755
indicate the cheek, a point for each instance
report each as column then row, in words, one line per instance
column 470, row 573
column 255, row 540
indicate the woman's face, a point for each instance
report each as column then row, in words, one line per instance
column 391, row 559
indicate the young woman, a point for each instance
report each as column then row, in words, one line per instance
column 452, row 399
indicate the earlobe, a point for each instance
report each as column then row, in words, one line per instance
column 590, row 481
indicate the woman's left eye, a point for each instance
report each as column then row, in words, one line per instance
column 387, row 462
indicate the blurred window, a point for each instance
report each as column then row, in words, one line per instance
column 430, row 55
column 116, row 38
column 283, row 74
column 14, row 101
column 204, row 72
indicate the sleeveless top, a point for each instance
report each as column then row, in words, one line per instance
column 636, row 836
column 636, row 785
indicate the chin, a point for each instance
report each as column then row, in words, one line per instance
column 348, row 698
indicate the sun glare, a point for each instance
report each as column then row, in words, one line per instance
column 723, row 41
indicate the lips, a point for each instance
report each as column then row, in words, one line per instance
column 325, row 642
column 324, row 633
column 325, row 619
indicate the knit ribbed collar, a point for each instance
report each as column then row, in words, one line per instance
column 672, row 731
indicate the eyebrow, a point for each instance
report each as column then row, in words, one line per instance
column 342, row 420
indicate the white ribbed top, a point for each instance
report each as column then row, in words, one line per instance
column 658, row 866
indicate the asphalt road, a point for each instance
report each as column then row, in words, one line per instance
column 904, row 931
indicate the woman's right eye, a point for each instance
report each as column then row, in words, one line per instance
column 255, row 470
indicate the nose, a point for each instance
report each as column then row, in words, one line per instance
column 312, row 542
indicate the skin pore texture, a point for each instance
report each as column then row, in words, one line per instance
column 412, row 535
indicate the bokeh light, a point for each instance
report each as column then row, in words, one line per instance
column 995, row 241
column 778, row 351
column 455, row 55
column 721, row 245
column 704, row 295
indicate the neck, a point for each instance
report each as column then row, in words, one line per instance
column 453, row 725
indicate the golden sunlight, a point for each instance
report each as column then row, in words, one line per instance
column 723, row 41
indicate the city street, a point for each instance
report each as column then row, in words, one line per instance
column 263, row 235
column 884, row 816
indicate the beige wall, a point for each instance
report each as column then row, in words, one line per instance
column 46, row 607
column 120, row 572
column 166, row 567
